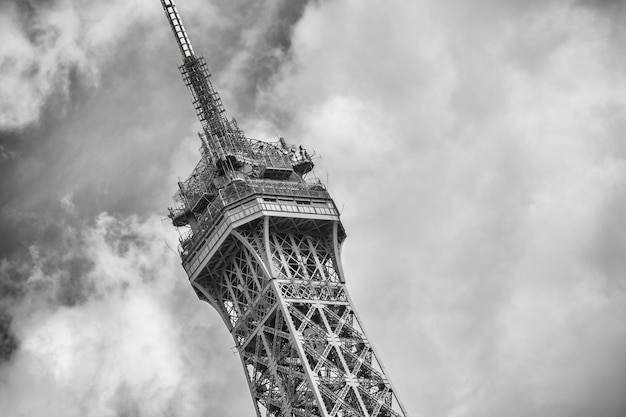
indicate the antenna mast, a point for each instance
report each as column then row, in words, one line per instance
column 224, row 142
column 178, row 28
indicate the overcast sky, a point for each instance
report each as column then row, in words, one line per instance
column 476, row 148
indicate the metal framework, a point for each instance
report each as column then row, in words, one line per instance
column 262, row 243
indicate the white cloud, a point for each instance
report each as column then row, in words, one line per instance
column 473, row 147
column 47, row 46
column 140, row 342
column 34, row 69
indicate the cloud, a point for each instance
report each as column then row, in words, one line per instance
column 125, row 347
column 37, row 57
column 113, row 142
column 52, row 48
column 474, row 147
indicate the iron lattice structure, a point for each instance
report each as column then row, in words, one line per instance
column 262, row 245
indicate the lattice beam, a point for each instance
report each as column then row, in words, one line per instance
column 302, row 344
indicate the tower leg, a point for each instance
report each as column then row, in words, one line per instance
column 303, row 347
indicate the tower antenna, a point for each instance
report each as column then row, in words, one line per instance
column 177, row 28
column 221, row 139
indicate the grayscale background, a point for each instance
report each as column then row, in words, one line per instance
column 476, row 148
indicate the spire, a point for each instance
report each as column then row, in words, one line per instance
column 226, row 152
column 223, row 141
column 178, row 28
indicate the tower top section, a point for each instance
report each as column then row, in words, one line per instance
column 231, row 165
column 178, row 28
column 219, row 134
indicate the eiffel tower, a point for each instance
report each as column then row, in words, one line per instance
column 261, row 242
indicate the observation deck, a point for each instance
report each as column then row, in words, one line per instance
column 243, row 201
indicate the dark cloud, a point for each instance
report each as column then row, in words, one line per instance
column 8, row 341
column 245, row 46
column 39, row 58
column 91, row 109
column 270, row 50
column 613, row 13
column 130, row 346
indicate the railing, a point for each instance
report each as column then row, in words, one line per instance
column 251, row 151
column 239, row 190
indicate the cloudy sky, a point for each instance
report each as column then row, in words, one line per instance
column 475, row 147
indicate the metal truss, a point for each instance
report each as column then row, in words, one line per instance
column 279, row 288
